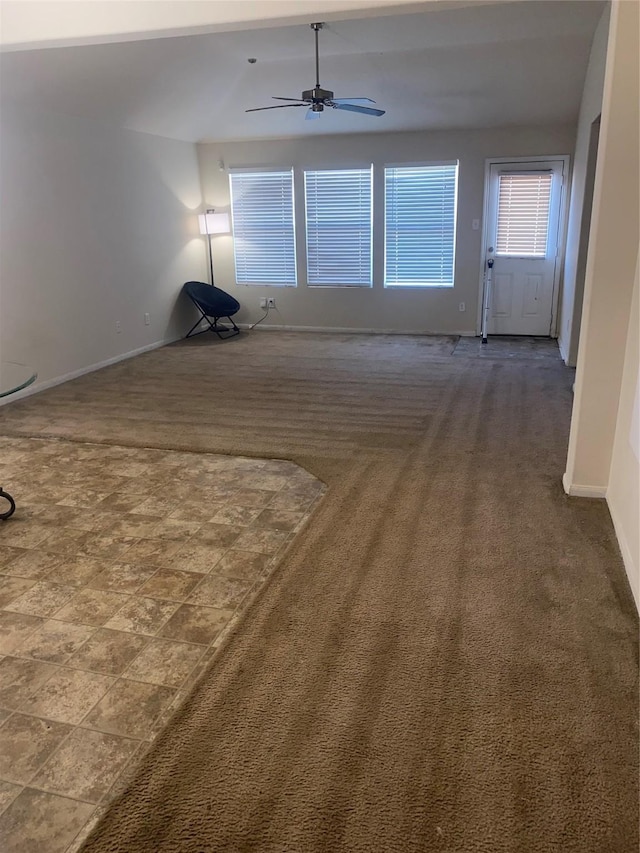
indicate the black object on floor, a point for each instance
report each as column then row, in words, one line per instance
column 214, row 304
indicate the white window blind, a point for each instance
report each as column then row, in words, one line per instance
column 420, row 224
column 263, row 229
column 338, row 212
column 524, row 202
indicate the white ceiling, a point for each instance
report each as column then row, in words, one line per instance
column 464, row 67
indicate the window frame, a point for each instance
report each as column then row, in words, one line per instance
column 369, row 167
column 262, row 170
column 418, row 165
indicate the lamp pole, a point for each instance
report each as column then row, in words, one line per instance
column 210, row 210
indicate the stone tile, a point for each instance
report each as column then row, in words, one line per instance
column 129, row 708
column 252, row 497
column 92, row 606
column 20, row 679
column 127, row 776
column 75, row 571
column 15, row 628
column 11, row 588
column 291, row 502
column 171, row 584
column 139, row 526
column 120, row 502
column 87, row 829
column 22, row 533
column 8, row 555
column 53, row 641
column 107, row 547
column 215, row 590
column 264, row 480
column 155, row 552
column 96, row 521
column 219, row 535
column 193, row 624
column 4, row 713
column 177, row 529
column 25, row 744
column 122, row 577
column 260, row 541
column 194, row 557
column 109, row 652
column 66, row 541
column 142, row 616
column 242, row 565
column 86, row 765
column 195, row 511
column 84, row 498
column 234, row 513
column 37, row 822
column 51, row 514
column 159, row 506
column 31, row 564
column 8, row 793
column 68, row 695
column 165, row 662
column 43, row 599
column 279, row 519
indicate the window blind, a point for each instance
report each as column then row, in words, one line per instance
column 338, row 214
column 263, row 229
column 420, row 223
column 524, row 202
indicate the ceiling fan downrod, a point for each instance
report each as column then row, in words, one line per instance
column 317, row 95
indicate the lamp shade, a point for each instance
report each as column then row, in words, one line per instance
column 214, row 223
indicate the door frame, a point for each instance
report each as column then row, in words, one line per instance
column 563, row 216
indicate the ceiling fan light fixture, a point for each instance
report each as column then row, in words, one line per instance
column 318, row 98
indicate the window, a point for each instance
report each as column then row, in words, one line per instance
column 263, row 231
column 420, row 225
column 338, row 212
column 524, row 202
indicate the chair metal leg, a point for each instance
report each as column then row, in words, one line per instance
column 12, row 505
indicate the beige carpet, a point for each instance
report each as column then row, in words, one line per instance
column 447, row 658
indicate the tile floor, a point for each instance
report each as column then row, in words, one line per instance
column 120, row 573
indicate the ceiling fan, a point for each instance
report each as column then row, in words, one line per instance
column 317, row 99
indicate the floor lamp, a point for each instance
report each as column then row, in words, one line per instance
column 213, row 223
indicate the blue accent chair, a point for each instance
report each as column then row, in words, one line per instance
column 213, row 304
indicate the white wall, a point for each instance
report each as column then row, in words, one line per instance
column 575, row 257
column 400, row 309
column 611, row 265
column 96, row 227
column 624, row 479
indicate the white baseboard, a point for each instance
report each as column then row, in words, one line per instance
column 633, row 571
column 347, row 330
column 577, row 490
column 67, row 377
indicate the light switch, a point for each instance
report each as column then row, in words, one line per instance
column 475, row 224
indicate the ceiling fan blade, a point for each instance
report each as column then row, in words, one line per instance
column 276, row 98
column 310, row 114
column 277, row 107
column 354, row 108
column 353, row 100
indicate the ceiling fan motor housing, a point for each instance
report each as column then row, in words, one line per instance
column 317, row 95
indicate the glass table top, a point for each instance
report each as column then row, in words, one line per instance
column 14, row 377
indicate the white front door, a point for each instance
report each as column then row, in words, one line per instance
column 522, row 239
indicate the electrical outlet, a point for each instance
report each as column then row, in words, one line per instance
column 118, row 327
column 462, row 307
column 263, row 304
column 147, row 319
column 271, row 302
